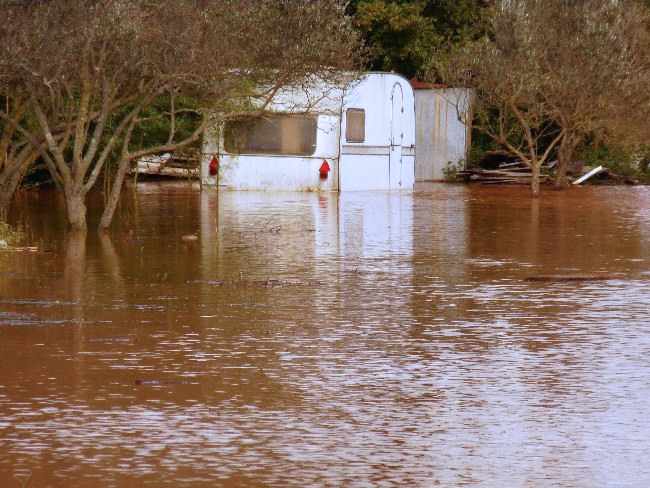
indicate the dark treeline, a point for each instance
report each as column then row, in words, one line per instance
column 408, row 36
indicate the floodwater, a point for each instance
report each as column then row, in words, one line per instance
column 361, row 339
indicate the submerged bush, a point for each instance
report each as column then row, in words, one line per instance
column 10, row 236
column 617, row 159
column 450, row 171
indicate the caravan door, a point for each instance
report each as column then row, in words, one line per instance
column 396, row 137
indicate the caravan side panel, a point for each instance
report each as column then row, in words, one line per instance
column 276, row 171
column 364, row 168
column 286, row 173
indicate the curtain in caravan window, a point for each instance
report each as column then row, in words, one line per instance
column 355, row 125
column 293, row 135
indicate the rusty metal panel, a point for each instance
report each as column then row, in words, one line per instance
column 440, row 135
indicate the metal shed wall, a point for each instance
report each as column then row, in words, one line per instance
column 440, row 137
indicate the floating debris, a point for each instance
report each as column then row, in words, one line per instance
column 570, row 278
column 22, row 249
column 158, row 382
column 113, row 339
column 258, row 283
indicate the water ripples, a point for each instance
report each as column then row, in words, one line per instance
column 408, row 351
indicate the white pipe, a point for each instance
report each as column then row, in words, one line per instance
column 588, row 175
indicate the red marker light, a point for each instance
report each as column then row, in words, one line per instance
column 213, row 169
column 323, row 170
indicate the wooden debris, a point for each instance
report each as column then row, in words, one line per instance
column 494, row 159
column 503, row 168
column 168, row 165
column 513, row 175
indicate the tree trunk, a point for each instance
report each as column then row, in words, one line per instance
column 114, row 197
column 560, row 178
column 534, row 182
column 564, row 157
column 75, row 267
column 111, row 260
column 76, row 206
column 10, row 176
column 8, row 187
column 6, row 196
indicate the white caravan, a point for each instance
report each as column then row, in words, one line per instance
column 361, row 137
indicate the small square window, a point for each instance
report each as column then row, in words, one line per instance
column 355, row 125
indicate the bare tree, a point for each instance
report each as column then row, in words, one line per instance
column 16, row 153
column 91, row 70
column 554, row 73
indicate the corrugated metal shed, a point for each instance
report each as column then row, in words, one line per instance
column 440, row 137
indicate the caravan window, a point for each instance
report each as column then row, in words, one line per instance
column 355, row 125
column 285, row 134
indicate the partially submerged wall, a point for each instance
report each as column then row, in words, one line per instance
column 440, row 137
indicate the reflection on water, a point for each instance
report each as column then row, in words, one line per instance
column 361, row 339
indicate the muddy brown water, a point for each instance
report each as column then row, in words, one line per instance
column 361, row 339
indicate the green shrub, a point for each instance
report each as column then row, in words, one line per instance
column 450, row 171
column 10, row 236
column 617, row 159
